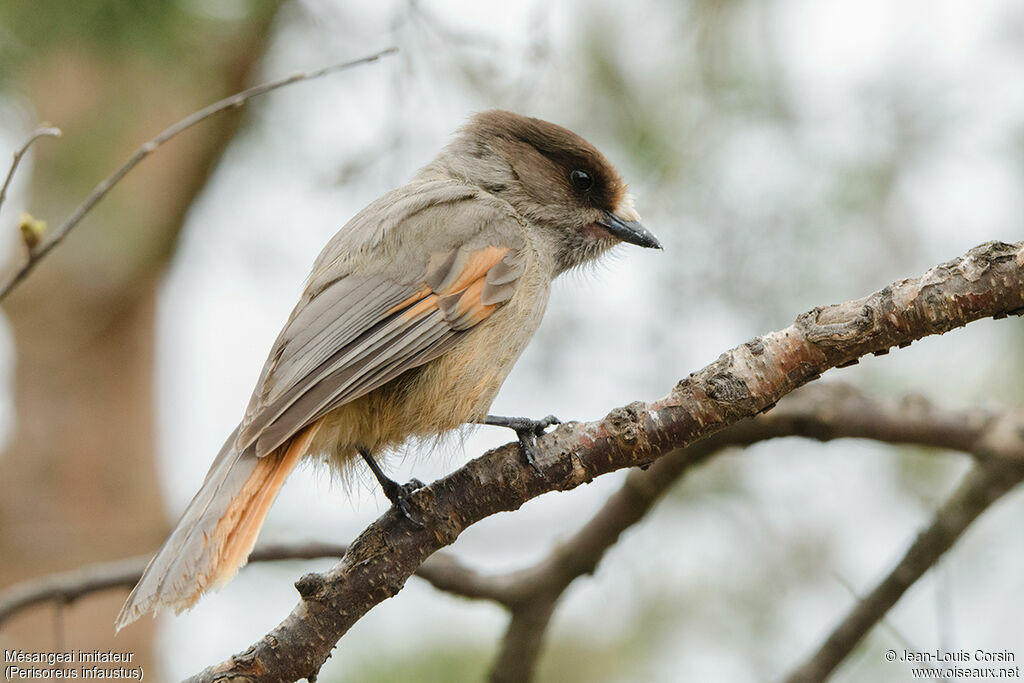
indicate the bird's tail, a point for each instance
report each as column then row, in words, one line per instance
column 218, row 529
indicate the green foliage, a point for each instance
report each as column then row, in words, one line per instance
column 159, row 29
column 563, row 660
column 453, row 662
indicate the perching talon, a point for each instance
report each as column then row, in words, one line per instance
column 527, row 430
column 397, row 493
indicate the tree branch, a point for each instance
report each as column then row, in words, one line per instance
column 1000, row 471
column 42, row 131
column 39, row 252
column 987, row 282
column 66, row 587
column 822, row 412
column 443, row 571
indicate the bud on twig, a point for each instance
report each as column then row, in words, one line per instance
column 32, row 230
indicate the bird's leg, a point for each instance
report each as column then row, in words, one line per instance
column 527, row 430
column 397, row 493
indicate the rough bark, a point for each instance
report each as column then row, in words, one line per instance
column 821, row 411
column 987, row 282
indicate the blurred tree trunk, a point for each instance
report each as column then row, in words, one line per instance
column 79, row 476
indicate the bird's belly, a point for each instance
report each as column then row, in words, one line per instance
column 449, row 391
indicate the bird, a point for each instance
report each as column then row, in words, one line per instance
column 412, row 317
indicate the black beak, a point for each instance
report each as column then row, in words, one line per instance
column 629, row 231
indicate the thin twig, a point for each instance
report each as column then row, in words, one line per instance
column 443, row 571
column 147, row 148
column 66, row 587
column 42, row 131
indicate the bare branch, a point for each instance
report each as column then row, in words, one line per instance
column 987, row 282
column 822, row 412
column 442, row 571
column 66, row 587
column 982, row 486
column 147, row 148
column 524, row 639
column 42, row 131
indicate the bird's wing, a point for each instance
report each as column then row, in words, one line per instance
column 361, row 330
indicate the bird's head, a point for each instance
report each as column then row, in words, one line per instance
column 557, row 180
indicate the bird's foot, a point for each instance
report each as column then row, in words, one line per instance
column 527, row 429
column 397, row 493
column 400, row 499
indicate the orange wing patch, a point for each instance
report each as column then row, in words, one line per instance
column 457, row 284
column 410, row 301
column 474, row 267
column 465, row 309
column 427, row 305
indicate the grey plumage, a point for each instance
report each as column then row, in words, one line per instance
column 412, row 317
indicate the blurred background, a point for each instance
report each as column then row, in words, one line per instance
column 789, row 153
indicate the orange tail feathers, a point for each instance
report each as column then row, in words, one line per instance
column 236, row 532
column 218, row 529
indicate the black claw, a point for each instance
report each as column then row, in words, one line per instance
column 549, row 421
column 527, row 430
column 527, row 442
column 397, row 493
column 401, row 501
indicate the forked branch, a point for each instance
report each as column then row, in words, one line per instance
column 986, row 282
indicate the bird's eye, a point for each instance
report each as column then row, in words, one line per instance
column 581, row 180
